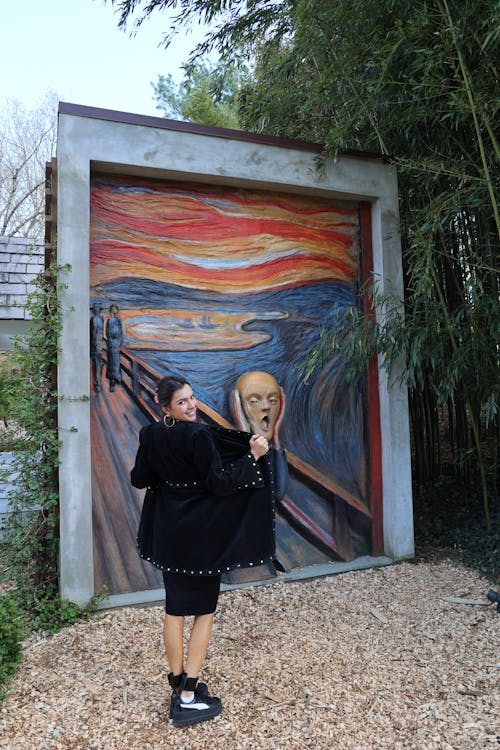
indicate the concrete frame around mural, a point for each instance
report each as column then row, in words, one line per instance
column 100, row 140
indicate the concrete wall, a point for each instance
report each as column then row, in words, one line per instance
column 120, row 142
column 21, row 260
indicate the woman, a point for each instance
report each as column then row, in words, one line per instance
column 208, row 509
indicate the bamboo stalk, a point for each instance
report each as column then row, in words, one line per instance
column 472, row 104
column 479, row 452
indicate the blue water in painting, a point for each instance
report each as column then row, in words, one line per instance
column 324, row 418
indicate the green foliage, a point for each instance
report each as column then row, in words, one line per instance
column 7, row 373
column 243, row 21
column 11, row 636
column 418, row 82
column 46, row 611
column 29, row 552
column 207, row 94
column 10, row 436
column 30, row 548
column 5, row 367
column 477, row 547
column 449, row 518
column 26, row 608
column 52, row 613
column 10, row 440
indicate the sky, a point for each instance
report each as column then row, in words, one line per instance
column 74, row 47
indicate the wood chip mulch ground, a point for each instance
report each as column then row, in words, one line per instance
column 377, row 659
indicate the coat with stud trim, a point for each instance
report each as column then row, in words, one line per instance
column 209, row 506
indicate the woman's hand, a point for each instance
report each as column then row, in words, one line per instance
column 258, row 446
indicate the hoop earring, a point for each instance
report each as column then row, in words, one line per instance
column 171, row 423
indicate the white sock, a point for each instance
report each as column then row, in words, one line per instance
column 194, row 703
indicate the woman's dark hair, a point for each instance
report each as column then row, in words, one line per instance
column 167, row 387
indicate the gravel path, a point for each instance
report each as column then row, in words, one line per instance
column 367, row 660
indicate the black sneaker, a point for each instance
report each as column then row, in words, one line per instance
column 175, row 684
column 202, row 708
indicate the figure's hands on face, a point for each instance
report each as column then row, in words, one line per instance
column 238, row 413
column 279, row 419
column 258, row 446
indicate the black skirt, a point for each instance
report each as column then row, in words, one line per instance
column 190, row 595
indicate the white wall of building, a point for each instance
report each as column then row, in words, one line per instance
column 21, row 260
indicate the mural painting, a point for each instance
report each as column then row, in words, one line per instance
column 214, row 283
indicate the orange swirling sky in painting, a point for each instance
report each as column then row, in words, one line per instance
column 218, row 239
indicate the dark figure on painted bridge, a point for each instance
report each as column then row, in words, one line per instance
column 114, row 339
column 96, row 344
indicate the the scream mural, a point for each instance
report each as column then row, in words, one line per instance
column 213, row 282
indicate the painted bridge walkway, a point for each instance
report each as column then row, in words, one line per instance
column 304, row 526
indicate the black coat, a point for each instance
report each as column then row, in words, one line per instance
column 209, row 507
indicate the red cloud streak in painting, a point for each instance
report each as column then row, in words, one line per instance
column 211, row 196
column 212, row 225
column 121, row 256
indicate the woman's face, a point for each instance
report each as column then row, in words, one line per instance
column 183, row 405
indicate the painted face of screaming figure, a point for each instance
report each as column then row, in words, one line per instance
column 260, row 401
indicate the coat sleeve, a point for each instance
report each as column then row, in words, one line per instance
column 143, row 474
column 224, row 477
column 280, row 467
